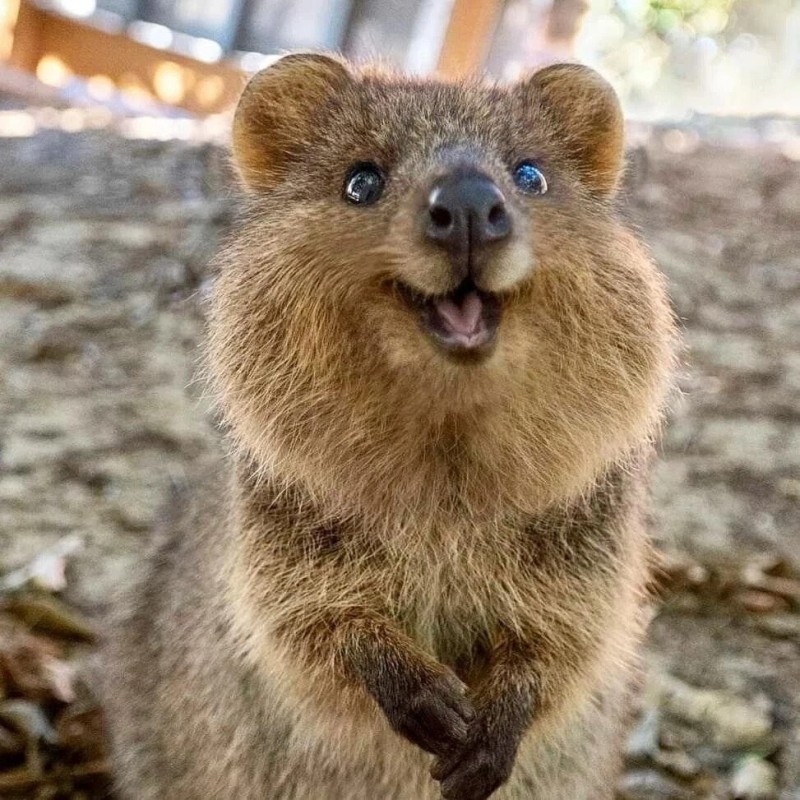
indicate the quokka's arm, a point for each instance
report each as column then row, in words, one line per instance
column 527, row 676
column 422, row 699
column 506, row 703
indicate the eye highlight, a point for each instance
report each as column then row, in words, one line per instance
column 529, row 178
column 364, row 184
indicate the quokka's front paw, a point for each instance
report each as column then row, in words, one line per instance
column 477, row 770
column 435, row 714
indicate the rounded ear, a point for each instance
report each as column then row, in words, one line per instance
column 584, row 114
column 279, row 113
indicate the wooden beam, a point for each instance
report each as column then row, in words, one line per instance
column 469, row 37
column 8, row 20
column 88, row 52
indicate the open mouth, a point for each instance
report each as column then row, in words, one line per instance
column 463, row 322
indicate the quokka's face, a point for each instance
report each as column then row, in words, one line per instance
column 438, row 247
column 435, row 213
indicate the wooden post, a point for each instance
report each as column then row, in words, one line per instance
column 469, row 37
column 563, row 25
column 8, row 19
column 26, row 50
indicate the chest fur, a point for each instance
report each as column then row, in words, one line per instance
column 452, row 584
column 459, row 588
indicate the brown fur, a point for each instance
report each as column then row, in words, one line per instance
column 409, row 542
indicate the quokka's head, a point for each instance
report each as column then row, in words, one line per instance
column 421, row 257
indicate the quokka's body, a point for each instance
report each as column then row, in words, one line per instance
column 442, row 359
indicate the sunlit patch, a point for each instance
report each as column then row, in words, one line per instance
column 15, row 124
column 72, row 120
column 47, row 117
column 53, row 71
column 681, row 142
column 169, row 82
column 6, row 41
column 149, row 33
column 160, row 128
column 253, row 62
column 134, row 88
column 100, row 87
column 20, row 123
column 76, row 8
column 209, row 90
column 100, row 117
column 791, row 149
column 206, row 50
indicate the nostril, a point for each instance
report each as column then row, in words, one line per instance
column 441, row 217
column 497, row 215
column 498, row 223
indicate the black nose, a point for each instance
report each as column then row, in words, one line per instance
column 465, row 214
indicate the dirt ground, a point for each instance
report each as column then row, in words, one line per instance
column 104, row 243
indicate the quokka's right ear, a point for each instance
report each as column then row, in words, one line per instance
column 584, row 112
column 279, row 112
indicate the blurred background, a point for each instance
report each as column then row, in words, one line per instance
column 115, row 189
column 666, row 58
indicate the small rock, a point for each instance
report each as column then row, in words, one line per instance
column 49, row 614
column 46, row 570
column 680, row 572
column 789, row 487
column 761, row 602
column 788, row 588
column 136, row 507
column 678, row 763
column 27, row 719
column 782, row 626
column 647, row 784
column 644, row 740
column 754, row 779
column 733, row 722
column 131, row 235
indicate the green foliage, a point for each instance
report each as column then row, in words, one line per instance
column 663, row 17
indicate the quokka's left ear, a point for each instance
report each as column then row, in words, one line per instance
column 584, row 113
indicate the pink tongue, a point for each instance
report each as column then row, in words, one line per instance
column 461, row 319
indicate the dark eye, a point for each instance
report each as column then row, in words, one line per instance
column 364, row 184
column 529, row 178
